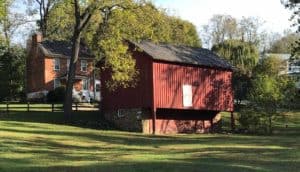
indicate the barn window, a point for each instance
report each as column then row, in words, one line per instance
column 187, row 93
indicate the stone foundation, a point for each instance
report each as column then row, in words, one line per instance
column 140, row 120
column 128, row 119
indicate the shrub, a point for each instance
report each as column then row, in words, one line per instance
column 252, row 121
column 56, row 95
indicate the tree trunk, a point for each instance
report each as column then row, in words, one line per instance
column 270, row 124
column 71, row 75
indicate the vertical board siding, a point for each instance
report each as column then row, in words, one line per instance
column 133, row 97
column 212, row 89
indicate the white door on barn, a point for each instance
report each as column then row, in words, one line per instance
column 187, row 92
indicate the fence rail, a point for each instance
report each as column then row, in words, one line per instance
column 44, row 107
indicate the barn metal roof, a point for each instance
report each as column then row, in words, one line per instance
column 63, row 49
column 183, row 54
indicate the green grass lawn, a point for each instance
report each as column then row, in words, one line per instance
column 39, row 142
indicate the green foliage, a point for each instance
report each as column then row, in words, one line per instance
column 12, row 72
column 3, row 9
column 285, row 44
column 56, row 95
column 61, row 21
column 294, row 6
column 244, row 57
column 269, row 91
column 270, row 66
column 252, row 122
column 266, row 92
column 139, row 21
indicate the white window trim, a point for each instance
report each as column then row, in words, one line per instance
column 87, row 84
column 55, row 83
column 54, row 64
column 187, row 95
column 81, row 65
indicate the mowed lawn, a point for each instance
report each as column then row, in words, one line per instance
column 37, row 142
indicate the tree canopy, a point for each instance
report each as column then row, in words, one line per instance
column 12, row 67
column 284, row 44
column 225, row 27
column 269, row 91
column 294, row 5
column 243, row 55
column 106, row 33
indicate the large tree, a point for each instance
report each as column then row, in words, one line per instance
column 225, row 27
column 285, row 43
column 12, row 67
column 294, row 5
column 220, row 28
column 42, row 7
column 270, row 91
column 83, row 11
column 3, row 9
column 244, row 57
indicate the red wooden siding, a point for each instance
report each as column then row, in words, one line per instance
column 137, row 97
column 211, row 87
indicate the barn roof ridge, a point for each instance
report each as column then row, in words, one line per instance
column 182, row 54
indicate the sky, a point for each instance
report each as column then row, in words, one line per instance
column 272, row 12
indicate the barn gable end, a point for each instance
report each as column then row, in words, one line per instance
column 180, row 89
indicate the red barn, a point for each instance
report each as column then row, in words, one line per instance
column 180, row 89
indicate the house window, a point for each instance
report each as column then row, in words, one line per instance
column 56, row 62
column 187, row 96
column 85, row 84
column 56, row 83
column 98, row 88
column 83, row 65
column 68, row 64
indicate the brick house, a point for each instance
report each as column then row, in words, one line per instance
column 179, row 90
column 47, row 66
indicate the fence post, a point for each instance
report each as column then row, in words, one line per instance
column 52, row 107
column 28, row 106
column 7, row 107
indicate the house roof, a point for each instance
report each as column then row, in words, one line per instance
column 63, row 49
column 183, row 54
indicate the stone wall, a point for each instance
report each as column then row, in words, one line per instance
column 140, row 120
column 128, row 119
column 170, row 126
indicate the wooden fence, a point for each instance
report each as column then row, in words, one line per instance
column 44, row 107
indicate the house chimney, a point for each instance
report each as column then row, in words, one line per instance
column 37, row 38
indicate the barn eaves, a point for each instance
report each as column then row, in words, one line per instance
column 183, row 54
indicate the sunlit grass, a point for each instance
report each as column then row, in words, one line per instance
column 41, row 146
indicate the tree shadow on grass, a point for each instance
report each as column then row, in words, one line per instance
column 121, row 151
column 51, row 149
column 85, row 119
